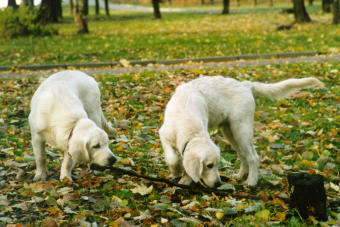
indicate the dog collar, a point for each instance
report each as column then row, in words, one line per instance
column 185, row 146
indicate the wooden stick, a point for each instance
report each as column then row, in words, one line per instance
column 193, row 189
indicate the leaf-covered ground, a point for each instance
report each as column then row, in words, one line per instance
column 137, row 36
column 296, row 134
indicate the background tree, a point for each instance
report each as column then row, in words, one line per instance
column 70, row 7
column 156, row 9
column 326, row 6
column 49, row 11
column 86, row 7
column 80, row 17
column 336, row 12
column 225, row 6
column 107, row 9
column 12, row 3
column 300, row 12
column 97, row 6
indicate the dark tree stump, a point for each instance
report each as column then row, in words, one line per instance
column 308, row 195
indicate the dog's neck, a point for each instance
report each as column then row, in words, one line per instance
column 185, row 145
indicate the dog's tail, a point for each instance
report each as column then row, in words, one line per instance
column 284, row 88
column 107, row 126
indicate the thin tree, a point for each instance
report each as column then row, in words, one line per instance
column 336, row 12
column 225, row 7
column 59, row 9
column 12, row 3
column 86, row 7
column 70, row 7
column 97, row 6
column 326, row 6
column 80, row 17
column 156, row 9
column 107, row 9
column 300, row 12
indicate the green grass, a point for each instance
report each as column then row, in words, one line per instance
column 134, row 36
column 307, row 122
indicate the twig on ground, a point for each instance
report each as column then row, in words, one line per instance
column 187, row 187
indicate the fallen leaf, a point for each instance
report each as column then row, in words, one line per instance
column 142, row 189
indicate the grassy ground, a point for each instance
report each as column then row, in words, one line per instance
column 296, row 134
column 128, row 35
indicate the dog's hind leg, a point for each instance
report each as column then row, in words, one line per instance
column 244, row 165
column 40, row 157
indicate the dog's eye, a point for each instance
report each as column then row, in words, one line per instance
column 210, row 166
column 96, row 146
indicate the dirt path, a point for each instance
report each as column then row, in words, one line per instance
column 188, row 66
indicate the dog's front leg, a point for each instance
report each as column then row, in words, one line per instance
column 172, row 160
column 40, row 157
column 66, row 167
column 186, row 180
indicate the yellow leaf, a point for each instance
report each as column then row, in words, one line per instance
column 219, row 215
column 280, row 216
column 263, row 215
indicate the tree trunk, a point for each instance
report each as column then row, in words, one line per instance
column 156, row 10
column 107, row 10
column 202, row 2
column 225, row 7
column 307, row 194
column 80, row 17
column 271, row 2
column 12, row 3
column 310, row 2
column 326, row 6
column 255, row 2
column 59, row 9
column 300, row 13
column 97, row 7
column 86, row 7
column 238, row 3
column 70, row 7
column 336, row 12
column 211, row 2
column 48, row 11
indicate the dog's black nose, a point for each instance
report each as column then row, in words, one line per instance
column 112, row 160
column 218, row 184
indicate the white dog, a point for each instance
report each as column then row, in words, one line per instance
column 66, row 113
column 208, row 102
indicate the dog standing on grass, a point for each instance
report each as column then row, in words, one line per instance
column 209, row 102
column 66, row 113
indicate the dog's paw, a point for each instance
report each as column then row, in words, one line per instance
column 40, row 176
column 186, row 180
column 237, row 176
column 251, row 181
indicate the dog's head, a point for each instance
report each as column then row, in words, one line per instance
column 90, row 144
column 200, row 161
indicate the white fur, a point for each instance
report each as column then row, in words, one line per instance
column 66, row 113
column 208, row 102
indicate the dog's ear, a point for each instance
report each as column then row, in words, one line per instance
column 79, row 149
column 193, row 165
